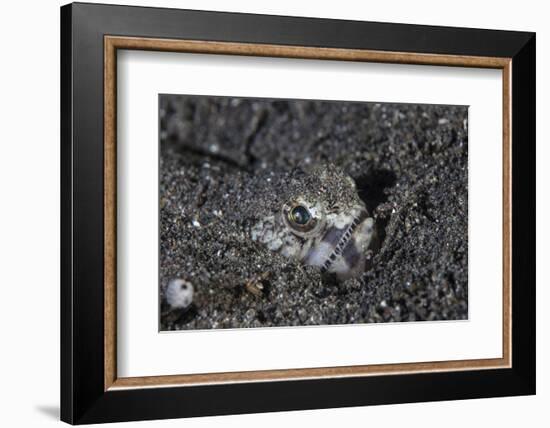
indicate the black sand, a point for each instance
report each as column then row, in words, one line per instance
column 410, row 163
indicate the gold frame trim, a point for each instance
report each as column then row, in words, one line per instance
column 113, row 43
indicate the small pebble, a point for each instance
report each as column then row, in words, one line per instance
column 179, row 294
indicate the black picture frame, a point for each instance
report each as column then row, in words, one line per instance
column 83, row 396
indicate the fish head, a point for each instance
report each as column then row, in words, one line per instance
column 318, row 219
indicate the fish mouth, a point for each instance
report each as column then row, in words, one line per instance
column 344, row 240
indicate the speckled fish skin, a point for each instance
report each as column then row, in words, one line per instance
column 339, row 235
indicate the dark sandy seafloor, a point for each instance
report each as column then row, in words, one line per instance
column 410, row 163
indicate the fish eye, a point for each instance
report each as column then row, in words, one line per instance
column 299, row 215
column 302, row 218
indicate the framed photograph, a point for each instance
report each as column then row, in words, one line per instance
column 265, row 213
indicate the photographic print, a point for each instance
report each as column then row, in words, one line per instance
column 282, row 212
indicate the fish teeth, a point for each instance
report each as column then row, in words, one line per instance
column 341, row 245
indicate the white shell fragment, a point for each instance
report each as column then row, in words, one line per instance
column 179, row 293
